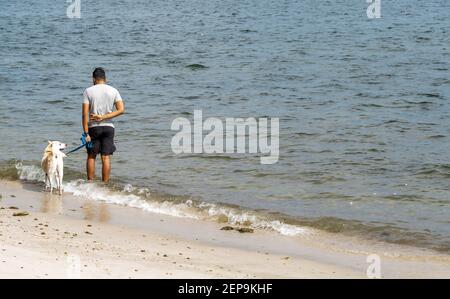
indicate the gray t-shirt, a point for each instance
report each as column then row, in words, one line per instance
column 101, row 99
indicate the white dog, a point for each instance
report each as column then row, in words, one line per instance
column 53, row 165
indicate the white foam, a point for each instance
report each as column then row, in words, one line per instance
column 95, row 192
column 141, row 191
column 187, row 209
column 237, row 217
column 30, row 173
column 128, row 188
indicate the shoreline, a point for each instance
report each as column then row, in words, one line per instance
column 112, row 241
column 138, row 196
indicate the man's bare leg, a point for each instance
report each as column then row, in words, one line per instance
column 106, row 168
column 90, row 167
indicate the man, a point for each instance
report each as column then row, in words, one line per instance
column 98, row 111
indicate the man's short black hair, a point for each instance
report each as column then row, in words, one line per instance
column 99, row 73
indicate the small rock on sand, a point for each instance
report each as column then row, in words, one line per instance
column 21, row 214
column 245, row 230
column 227, row 228
column 239, row 229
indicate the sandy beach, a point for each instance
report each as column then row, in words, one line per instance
column 47, row 236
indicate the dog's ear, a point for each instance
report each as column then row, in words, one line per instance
column 49, row 142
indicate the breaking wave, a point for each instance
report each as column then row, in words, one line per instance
column 144, row 199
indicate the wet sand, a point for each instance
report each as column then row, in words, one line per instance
column 69, row 237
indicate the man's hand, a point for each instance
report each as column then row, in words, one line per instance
column 120, row 109
column 85, row 138
column 96, row 118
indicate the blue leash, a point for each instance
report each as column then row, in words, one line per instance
column 84, row 144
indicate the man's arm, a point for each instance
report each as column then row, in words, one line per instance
column 120, row 109
column 85, row 114
column 85, row 120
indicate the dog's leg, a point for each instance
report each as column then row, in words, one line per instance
column 61, row 177
column 59, row 181
column 46, row 183
column 60, row 184
column 51, row 184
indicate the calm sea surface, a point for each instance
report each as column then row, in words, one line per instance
column 363, row 104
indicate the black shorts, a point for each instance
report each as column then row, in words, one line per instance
column 103, row 140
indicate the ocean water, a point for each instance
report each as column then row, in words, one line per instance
column 363, row 107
